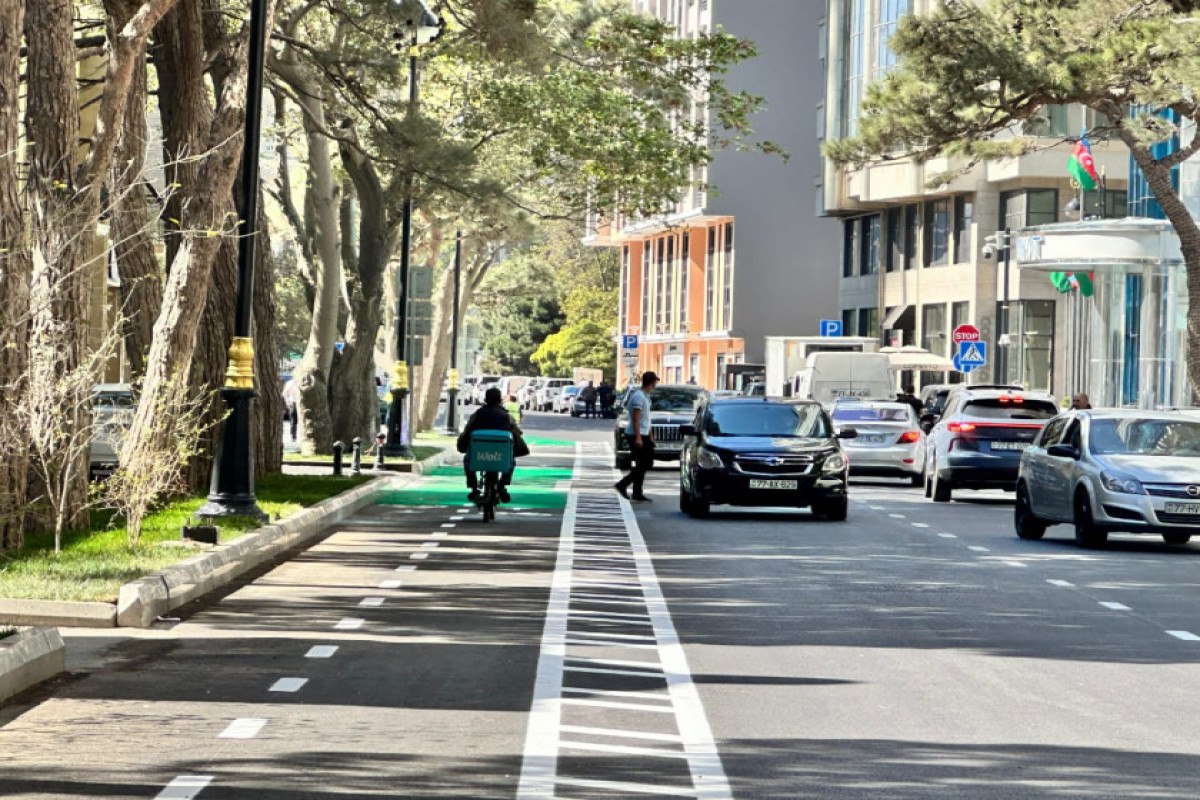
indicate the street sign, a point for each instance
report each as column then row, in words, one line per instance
column 971, row 354
column 629, row 341
column 420, row 326
column 418, row 309
column 339, row 346
column 420, row 283
column 966, row 333
column 831, row 327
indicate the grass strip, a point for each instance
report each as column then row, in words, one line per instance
column 420, row 453
column 94, row 563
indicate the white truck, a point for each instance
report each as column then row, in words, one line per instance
column 787, row 355
column 832, row 376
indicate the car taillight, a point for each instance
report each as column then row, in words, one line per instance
column 961, row 427
column 908, row 437
column 1010, row 399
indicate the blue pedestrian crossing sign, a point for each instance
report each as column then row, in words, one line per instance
column 831, row 327
column 629, row 341
column 971, row 355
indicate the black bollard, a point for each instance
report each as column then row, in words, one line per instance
column 356, row 458
column 337, row 459
column 380, row 440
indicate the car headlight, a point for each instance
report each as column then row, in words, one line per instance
column 707, row 459
column 1121, row 483
column 834, row 464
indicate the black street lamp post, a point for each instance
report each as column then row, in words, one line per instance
column 231, row 491
column 421, row 26
column 452, row 379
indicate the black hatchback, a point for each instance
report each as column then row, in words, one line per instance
column 764, row 452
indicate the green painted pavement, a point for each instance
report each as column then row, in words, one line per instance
column 541, row 441
column 533, row 487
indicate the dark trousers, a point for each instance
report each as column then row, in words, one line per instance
column 294, row 419
column 473, row 478
column 590, row 406
column 643, row 462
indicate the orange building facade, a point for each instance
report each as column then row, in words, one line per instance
column 677, row 296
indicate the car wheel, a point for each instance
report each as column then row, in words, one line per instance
column 624, row 462
column 1086, row 533
column 1177, row 538
column 928, row 485
column 700, row 507
column 685, row 498
column 1027, row 524
column 832, row 510
column 940, row 491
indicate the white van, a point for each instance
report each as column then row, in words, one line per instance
column 512, row 384
column 831, row 376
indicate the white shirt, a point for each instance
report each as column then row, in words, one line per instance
column 639, row 400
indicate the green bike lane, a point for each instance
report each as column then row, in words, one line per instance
column 395, row 658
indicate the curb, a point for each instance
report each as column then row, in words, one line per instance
column 144, row 600
column 29, row 657
column 58, row 612
column 433, row 462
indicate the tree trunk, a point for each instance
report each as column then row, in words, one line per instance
column 14, row 283
column 134, row 228
column 268, row 406
column 312, row 374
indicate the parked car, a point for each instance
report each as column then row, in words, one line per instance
column 565, row 401
column 550, row 389
column 113, row 405
column 526, row 393
column 511, row 385
column 890, row 441
column 484, row 383
column 978, row 441
column 671, row 405
column 764, row 452
column 1112, row 470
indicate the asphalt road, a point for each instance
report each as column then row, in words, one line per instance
column 600, row 650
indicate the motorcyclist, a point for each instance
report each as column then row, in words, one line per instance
column 492, row 416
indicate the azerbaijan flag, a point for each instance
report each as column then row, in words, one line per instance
column 1082, row 167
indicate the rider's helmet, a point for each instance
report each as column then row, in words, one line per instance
column 493, row 397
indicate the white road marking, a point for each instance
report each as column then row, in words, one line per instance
column 288, row 684
column 1115, row 606
column 632, row 637
column 1187, row 636
column 406, row 568
column 1013, row 563
column 372, row 602
column 185, row 787
column 430, row 544
column 875, row 508
column 321, row 651
column 611, row 671
column 390, row 584
column 627, row 787
column 349, row 624
column 419, row 556
column 439, row 535
column 578, row 640
column 457, row 519
column 646, row 695
column 618, row 733
column 449, row 525
column 919, row 525
column 245, row 728
column 1058, row 582
column 896, row 516
column 947, row 535
column 583, row 701
column 622, row 749
column 978, row 549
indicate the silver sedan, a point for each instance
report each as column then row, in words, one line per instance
column 890, row 441
column 1112, row 470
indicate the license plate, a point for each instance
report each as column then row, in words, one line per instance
column 786, row 485
column 1183, row 508
column 872, row 438
column 1010, row 445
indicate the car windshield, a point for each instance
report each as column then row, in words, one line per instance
column 1006, row 407
column 571, row 390
column 896, row 413
column 675, row 400
column 767, row 419
column 1145, row 437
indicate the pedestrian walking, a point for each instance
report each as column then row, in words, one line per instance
column 589, row 399
column 909, row 396
column 513, row 408
column 1080, row 402
column 291, row 407
column 607, row 396
column 641, row 443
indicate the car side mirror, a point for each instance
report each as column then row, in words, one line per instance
column 1063, row 451
column 847, row 433
column 687, row 430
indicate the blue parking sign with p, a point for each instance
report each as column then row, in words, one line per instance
column 629, row 341
column 831, row 327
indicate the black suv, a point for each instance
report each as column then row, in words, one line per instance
column 671, row 405
column 764, row 452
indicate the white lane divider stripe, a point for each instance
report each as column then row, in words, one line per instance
column 645, row 695
column 439, row 534
column 406, row 568
column 920, row 525
column 578, row 640
column 947, row 535
column 1186, row 636
column 372, row 602
column 430, row 544
column 321, row 651
column 978, row 549
column 583, row 701
column 419, row 556
column 349, row 624
column 390, row 584
column 618, row 733
column 628, row 787
column 245, row 728
column 288, row 684
column 896, row 516
column 1059, row 582
column 622, row 749
column 185, row 787
column 1115, row 606
column 1013, row 563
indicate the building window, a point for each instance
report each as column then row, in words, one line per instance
column 661, row 301
column 849, row 325
column 868, row 322
column 670, row 266
column 894, row 256
column 685, row 268
column 646, row 327
column 849, row 248
column 727, row 305
column 1028, row 207
column 868, row 253
column 912, row 235
column 710, row 281
column 960, row 313
column 937, row 233
column 624, row 289
column 964, row 219
column 1025, row 343
column 1049, row 121
column 934, row 337
column 1116, row 204
column 855, row 64
column 887, row 14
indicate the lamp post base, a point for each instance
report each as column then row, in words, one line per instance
column 395, row 446
column 451, row 428
column 231, row 493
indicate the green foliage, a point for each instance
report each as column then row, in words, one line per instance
column 293, row 314
column 581, row 344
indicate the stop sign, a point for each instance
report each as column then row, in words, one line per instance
column 966, row 333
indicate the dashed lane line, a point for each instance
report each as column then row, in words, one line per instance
column 390, row 584
column 245, row 728
column 321, row 651
column 1059, row 582
column 978, row 548
column 288, row 685
column 372, row 602
column 947, row 535
column 1186, row 636
column 348, row 624
column 419, row 556
column 1115, row 606
column 185, row 787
